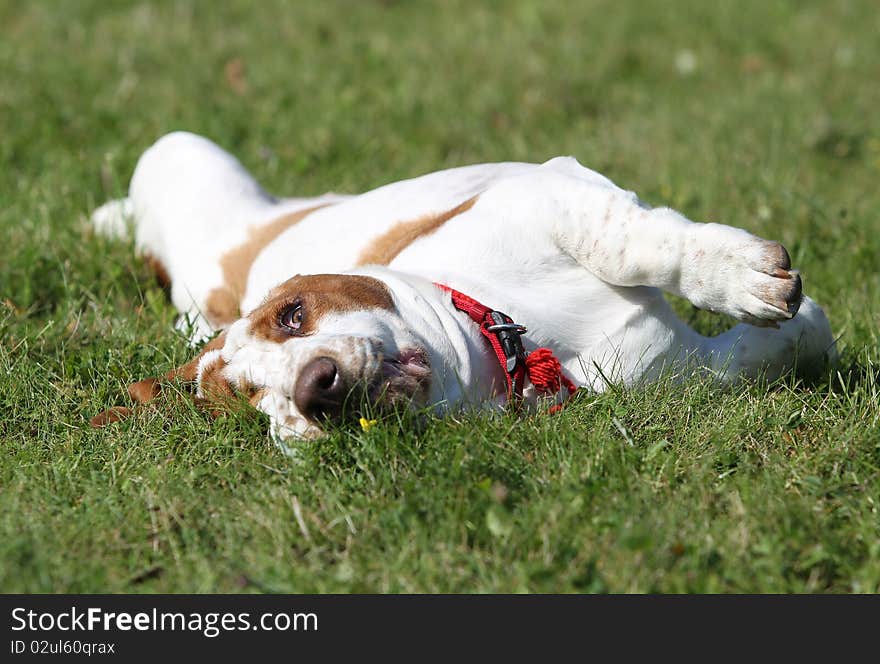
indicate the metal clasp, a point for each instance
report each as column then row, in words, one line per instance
column 515, row 327
column 508, row 334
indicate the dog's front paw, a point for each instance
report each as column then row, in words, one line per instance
column 773, row 283
column 733, row 272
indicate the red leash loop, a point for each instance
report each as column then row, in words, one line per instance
column 541, row 366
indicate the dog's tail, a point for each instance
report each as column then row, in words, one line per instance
column 114, row 219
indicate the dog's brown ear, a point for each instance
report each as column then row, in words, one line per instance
column 214, row 390
column 148, row 389
column 144, row 390
column 189, row 371
column 110, row 416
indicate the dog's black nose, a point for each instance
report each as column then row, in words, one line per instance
column 320, row 390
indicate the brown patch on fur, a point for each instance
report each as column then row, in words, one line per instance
column 222, row 304
column 255, row 395
column 385, row 249
column 158, row 269
column 318, row 294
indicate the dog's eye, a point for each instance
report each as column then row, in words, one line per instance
column 291, row 317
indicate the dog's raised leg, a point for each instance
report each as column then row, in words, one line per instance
column 191, row 203
column 612, row 234
column 624, row 243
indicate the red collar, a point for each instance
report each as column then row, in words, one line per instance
column 540, row 366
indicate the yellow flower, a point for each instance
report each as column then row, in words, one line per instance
column 366, row 424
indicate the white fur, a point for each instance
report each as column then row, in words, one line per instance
column 557, row 246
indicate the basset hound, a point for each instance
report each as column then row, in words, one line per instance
column 330, row 306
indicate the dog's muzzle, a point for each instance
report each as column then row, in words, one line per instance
column 324, row 390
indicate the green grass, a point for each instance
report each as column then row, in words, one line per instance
column 763, row 115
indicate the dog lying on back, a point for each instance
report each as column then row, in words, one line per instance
column 326, row 303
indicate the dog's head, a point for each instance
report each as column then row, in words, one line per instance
column 319, row 347
column 316, row 350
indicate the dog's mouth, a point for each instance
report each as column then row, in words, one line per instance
column 402, row 379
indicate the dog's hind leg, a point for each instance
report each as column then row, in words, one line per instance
column 804, row 345
column 191, row 203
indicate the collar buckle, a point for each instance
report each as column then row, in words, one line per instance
column 508, row 334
